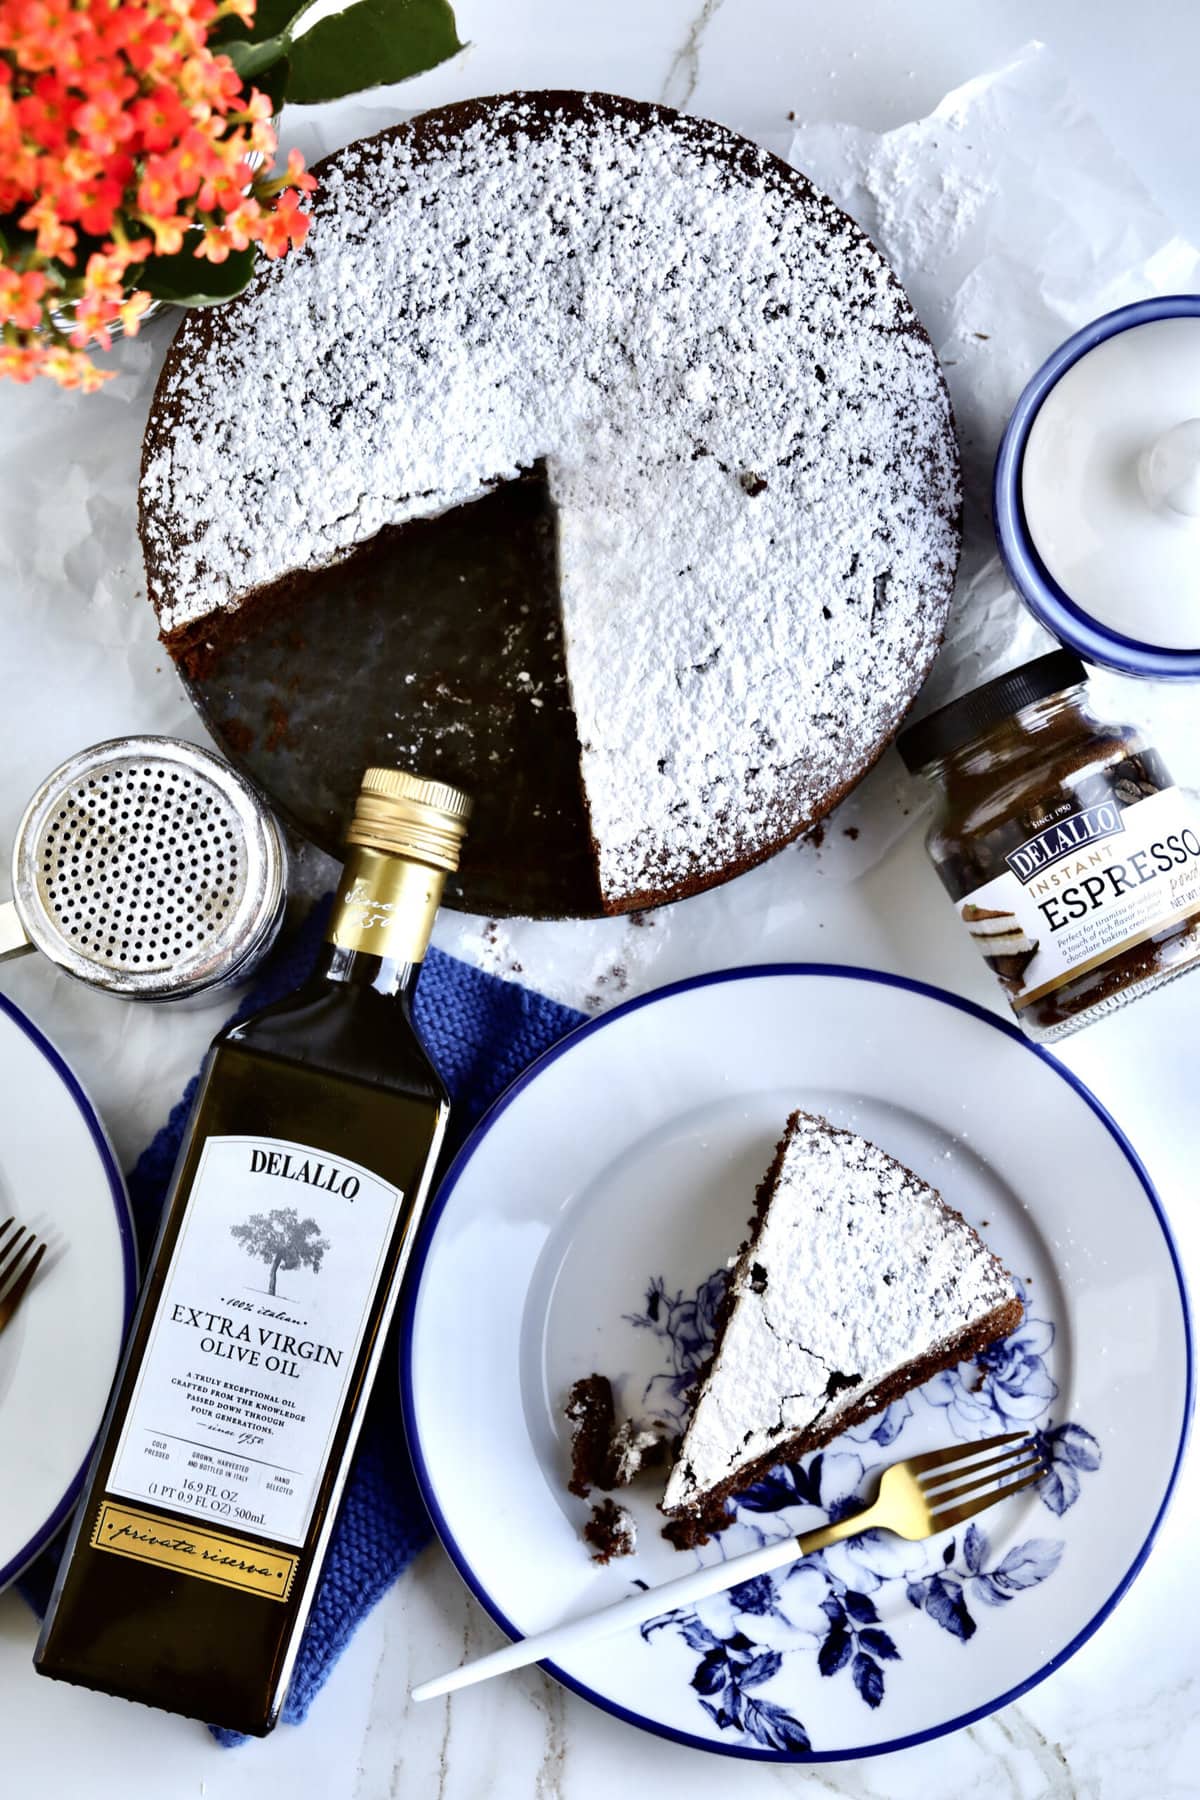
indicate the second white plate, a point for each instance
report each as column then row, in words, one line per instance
column 586, row 1225
column 58, row 1178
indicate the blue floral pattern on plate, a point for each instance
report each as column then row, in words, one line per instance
column 825, row 1605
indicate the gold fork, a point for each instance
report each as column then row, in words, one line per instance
column 20, row 1254
column 916, row 1499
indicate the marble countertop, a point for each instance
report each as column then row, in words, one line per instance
column 1121, row 1721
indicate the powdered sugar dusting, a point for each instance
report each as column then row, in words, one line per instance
column 745, row 433
column 857, row 1269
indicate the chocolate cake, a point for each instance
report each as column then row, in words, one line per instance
column 741, row 427
column 857, row 1284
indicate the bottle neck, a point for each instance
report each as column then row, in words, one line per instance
column 382, row 918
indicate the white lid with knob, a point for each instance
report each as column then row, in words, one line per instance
column 1110, row 482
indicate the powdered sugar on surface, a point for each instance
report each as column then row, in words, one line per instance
column 858, row 1268
column 745, row 434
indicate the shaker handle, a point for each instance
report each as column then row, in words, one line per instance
column 14, row 940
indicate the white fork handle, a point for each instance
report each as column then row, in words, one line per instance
column 713, row 1578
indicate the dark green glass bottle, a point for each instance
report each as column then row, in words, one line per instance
column 198, row 1545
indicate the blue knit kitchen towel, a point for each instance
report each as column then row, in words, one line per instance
column 481, row 1032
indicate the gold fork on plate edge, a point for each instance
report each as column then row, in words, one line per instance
column 20, row 1254
column 916, row 1499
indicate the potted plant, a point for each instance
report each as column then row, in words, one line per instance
column 138, row 152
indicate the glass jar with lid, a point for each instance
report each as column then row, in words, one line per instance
column 1072, row 859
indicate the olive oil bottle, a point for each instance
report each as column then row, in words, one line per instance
column 198, row 1544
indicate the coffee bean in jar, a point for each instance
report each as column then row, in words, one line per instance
column 1072, row 859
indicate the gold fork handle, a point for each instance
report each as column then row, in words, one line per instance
column 809, row 1541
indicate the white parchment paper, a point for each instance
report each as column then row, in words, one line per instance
column 1010, row 219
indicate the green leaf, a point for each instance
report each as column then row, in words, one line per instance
column 271, row 19
column 370, row 43
column 186, row 279
column 250, row 59
column 273, row 82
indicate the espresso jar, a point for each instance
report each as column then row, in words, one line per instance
column 1073, row 861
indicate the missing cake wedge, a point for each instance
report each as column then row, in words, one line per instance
column 858, row 1283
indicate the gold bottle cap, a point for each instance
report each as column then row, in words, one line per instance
column 411, row 815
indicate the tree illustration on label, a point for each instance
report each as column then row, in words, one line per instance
column 283, row 1240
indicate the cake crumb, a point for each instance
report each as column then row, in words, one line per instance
column 611, row 1531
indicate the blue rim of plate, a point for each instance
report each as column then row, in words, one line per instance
column 756, row 972
column 120, row 1199
column 1049, row 603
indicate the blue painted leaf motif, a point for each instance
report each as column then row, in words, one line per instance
column 943, row 1601
column 877, row 1641
column 712, row 1672
column 768, row 1663
column 1059, row 1489
column 836, row 1650
column 696, row 1635
column 833, row 1609
column 988, row 1589
column 808, row 1480
column 975, row 1549
column 691, row 1628
column 1072, row 1444
column 1071, row 1451
column 775, row 1728
column 1029, row 1563
column 868, row 1679
column 860, row 1608
column 948, row 1553
column 729, row 1715
column 773, row 1492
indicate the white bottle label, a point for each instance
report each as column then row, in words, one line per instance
column 1085, row 889
column 257, row 1335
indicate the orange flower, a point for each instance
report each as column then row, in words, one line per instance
column 55, row 241
column 21, row 298
column 119, row 119
column 298, row 176
column 21, row 362
column 159, row 117
column 284, row 226
column 73, row 369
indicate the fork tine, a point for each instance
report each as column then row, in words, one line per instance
column 13, row 1252
column 975, row 1486
column 10, row 1301
column 933, row 1459
column 956, row 1471
column 958, row 1515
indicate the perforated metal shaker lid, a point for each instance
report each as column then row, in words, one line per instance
column 149, row 868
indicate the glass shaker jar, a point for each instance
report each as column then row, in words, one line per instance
column 1073, row 861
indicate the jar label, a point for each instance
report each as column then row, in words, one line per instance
column 1086, row 888
column 256, row 1336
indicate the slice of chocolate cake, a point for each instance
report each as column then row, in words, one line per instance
column 858, row 1283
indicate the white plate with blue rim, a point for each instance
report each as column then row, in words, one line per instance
column 58, row 1179
column 586, row 1226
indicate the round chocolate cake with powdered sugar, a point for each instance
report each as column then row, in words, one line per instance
column 743, row 429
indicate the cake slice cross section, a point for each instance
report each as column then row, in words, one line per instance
column 858, row 1283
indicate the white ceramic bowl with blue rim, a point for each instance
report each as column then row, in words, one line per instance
column 58, row 1355
column 586, row 1225
column 1058, row 610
